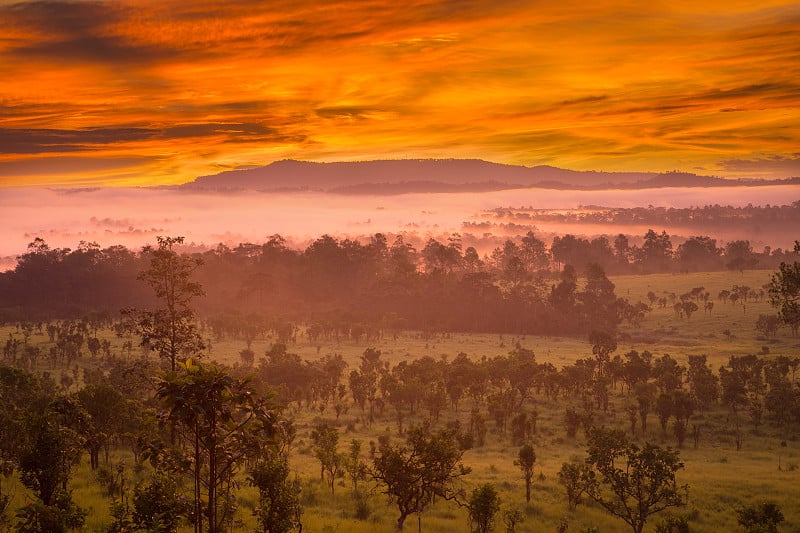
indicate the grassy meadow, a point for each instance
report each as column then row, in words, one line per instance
column 719, row 477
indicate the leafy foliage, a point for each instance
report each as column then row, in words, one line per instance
column 630, row 482
column 784, row 292
column 760, row 518
column 483, row 505
column 426, row 466
column 222, row 417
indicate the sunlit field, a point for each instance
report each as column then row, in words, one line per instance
column 720, row 479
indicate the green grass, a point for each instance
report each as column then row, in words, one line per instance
column 720, row 478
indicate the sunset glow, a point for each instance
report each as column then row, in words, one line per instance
column 147, row 93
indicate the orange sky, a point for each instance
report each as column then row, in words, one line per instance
column 159, row 92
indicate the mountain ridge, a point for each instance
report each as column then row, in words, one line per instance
column 399, row 176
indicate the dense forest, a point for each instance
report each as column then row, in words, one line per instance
column 765, row 219
column 525, row 286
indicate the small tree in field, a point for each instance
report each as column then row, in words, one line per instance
column 326, row 441
column 483, row 506
column 426, row 466
column 784, row 292
column 761, row 518
column 630, row 482
column 574, row 477
column 512, row 517
column 353, row 465
column 525, row 461
column 278, row 509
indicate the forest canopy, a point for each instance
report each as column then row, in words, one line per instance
column 525, row 286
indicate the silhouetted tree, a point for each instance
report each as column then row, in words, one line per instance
column 170, row 330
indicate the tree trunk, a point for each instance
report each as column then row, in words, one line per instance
column 198, row 518
column 94, row 457
column 212, row 491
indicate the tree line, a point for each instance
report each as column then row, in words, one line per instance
column 768, row 218
column 439, row 288
column 524, row 286
column 203, row 427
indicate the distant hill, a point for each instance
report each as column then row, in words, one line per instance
column 437, row 175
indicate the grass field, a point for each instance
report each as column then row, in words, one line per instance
column 720, row 478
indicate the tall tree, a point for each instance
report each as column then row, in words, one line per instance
column 325, row 440
column 699, row 254
column 655, row 254
column 740, row 255
column 784, row 292
column 106, row 408
column 703, row 383
column 170, row 329
column 599, row 301
column 221, row 416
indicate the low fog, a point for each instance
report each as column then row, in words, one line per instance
column 133, row 217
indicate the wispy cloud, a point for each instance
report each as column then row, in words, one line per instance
column 185, row 88
column 773, row 165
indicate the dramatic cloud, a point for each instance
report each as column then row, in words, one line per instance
column 775, row 165
column 181, row 89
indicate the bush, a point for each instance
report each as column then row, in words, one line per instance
column 673, row 524
column 483, row 506
column 760, row 518
column 64, row 515
column 362, row 507
column 157, row 505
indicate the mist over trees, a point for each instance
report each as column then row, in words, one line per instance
column 524, row 286
column 762, row 218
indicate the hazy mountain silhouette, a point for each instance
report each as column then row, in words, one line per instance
column 438, row 175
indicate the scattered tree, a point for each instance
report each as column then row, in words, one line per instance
column 221, row 417
column 784, row 292
column 525, row 461
column 630, row 482
column 574, row 476
column 483, row 506
column 325, row 440
column 426, row 466
column 170, row 330
column 760, row 518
